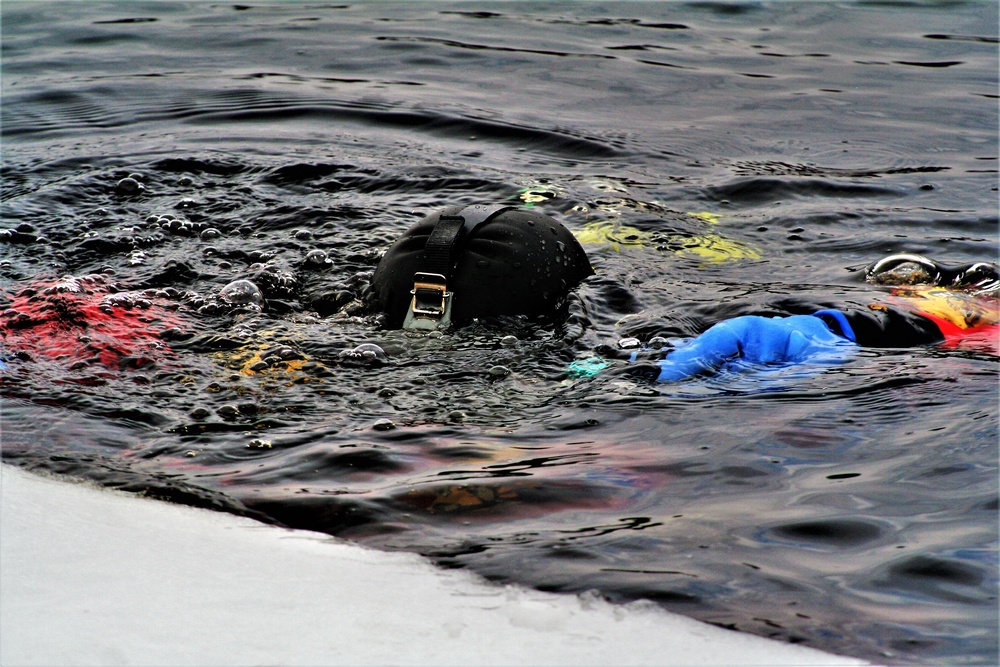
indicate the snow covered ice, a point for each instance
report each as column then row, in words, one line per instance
column 94, row 577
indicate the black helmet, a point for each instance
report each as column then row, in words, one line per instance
column 477, row 261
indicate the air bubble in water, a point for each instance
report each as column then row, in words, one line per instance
column 129, row 186
column 242, row 293
column 316, row 257
column 629, row 343
column 364, row 353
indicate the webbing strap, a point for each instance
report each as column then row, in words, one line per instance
column 449, row 232
column 441, row 245
column 430, row 306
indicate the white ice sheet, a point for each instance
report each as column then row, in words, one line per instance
column 92, row 577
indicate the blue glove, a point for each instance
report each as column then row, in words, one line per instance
column 752, row 339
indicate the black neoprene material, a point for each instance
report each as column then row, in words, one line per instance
column 892, row 328
column 450, row 232
column 515, row 262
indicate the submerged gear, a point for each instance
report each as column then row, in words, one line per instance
column 711, row 247
column 87, row 321
column 825, row 335
column 930, row 304
column 955, row 306
column 753, row 339
column 477, row 261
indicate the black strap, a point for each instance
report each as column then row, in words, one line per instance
column 450, row 231
column 441, row 245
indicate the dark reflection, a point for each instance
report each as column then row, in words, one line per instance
column 833, row 532
column 943, row 579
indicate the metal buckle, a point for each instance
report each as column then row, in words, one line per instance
column 430, row 307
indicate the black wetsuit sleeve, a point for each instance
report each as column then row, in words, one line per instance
column 892, row 328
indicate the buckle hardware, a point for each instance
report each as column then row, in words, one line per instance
column 430, row 307
column 430, row 294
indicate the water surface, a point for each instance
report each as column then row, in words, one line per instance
column 717, row 159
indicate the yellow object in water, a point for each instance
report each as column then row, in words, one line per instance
column 247, row 363
column 265, row 357
column 963, row 309
column 712, row 218
column 612, row 235
column 473, row 496
column 537, row 193
column 713, row 248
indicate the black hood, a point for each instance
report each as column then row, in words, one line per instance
column 517, row 262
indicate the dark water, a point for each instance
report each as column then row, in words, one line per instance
column 853, row 509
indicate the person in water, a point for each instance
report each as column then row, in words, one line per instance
column 456, row 265
column 468, row 262
column 928, row 305
column 480, row 261
column 471, row 262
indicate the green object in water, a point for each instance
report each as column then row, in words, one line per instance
column 586, row 368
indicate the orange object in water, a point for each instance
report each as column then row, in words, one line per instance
column 967, row 320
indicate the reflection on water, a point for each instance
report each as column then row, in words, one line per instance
column 229, row 176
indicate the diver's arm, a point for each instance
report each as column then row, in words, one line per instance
column 755, row 340
column 820, row 338
column 704, row 354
